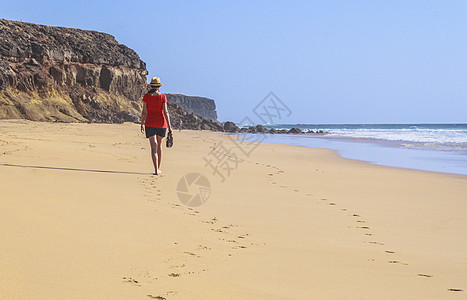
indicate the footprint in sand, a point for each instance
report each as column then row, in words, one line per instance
column 131, row 281
column 455, row 290
column 157, row 297
column 389, row 251
column 376, row 243
column 212, row 221
column 191, row 253
column 397, row 262
column 208, row 222
column 236, row 247
column 424, row 275
column 201, row 247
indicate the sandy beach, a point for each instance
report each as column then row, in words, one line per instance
column 83, row 218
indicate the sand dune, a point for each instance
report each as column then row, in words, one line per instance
column 83, row 218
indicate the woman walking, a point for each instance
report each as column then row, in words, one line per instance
column 155, row 120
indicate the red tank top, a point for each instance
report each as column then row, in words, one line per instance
column 155, row 116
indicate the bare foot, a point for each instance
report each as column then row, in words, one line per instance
column 157, row 173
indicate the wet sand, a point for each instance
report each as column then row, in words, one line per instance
column 83, row 218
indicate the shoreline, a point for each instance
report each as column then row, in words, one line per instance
column 365, row 162
column 380, row 152
column 286, row 223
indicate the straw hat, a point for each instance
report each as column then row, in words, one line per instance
column 155, row 82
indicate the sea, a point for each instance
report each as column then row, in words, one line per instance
column 428, row 147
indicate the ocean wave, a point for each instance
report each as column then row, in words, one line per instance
column 413, row 135
column 442, row 136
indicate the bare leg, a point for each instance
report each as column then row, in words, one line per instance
column 153, row 143
column 159, row 151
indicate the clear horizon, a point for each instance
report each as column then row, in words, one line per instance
column 365, row 62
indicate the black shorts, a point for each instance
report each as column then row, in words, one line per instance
column 152, row 131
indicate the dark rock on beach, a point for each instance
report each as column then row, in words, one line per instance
column 294, row 130
column 231, row 127
column 262, row 129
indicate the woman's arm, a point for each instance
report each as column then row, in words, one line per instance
column 167, row 117
column 143, row 115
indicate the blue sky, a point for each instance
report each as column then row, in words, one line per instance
column 328, row 61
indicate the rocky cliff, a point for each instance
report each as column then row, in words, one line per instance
column 204, row 107
column 64, row 74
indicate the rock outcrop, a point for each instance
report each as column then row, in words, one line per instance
column 64, row 74
column 201, row 106
column 191, row 120
column 231, row 127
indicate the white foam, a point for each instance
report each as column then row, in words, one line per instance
column 448, row 137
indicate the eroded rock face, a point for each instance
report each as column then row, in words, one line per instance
column 65, row 74
column 202, row 106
